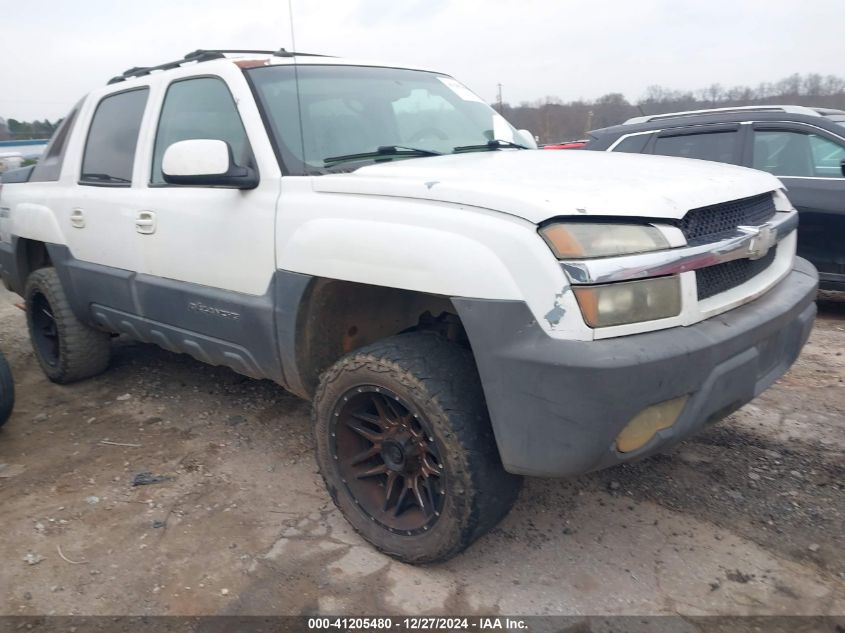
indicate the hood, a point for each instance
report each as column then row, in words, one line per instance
column 538, row 185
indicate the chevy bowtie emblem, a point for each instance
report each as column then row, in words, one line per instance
column 762, row 239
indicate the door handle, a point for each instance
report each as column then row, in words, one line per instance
column 77, row 219
column 145, row 223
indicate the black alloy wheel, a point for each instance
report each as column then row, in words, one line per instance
column 388, row 459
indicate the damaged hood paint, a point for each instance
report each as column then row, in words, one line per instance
column 540, row 184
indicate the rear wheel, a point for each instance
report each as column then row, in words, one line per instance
column 67, row 349
column 406, row 449
column 7, row 391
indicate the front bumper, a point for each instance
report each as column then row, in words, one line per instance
column 557, row 406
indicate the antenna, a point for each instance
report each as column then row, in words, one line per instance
column 296, row 83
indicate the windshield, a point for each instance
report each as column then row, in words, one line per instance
column 357, row 115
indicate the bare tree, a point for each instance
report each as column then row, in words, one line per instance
column 554, row 120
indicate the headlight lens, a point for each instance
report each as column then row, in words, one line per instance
column 575, row 240
column 629, row 301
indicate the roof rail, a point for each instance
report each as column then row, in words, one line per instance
column 791, row 109
column 203, row 55
column 828, row 111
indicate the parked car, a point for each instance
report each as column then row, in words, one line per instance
column 10, row 160
column 566, row 145
column 804, row 147
column 7, row 390
column 461, row 310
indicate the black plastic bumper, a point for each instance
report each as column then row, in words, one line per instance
column 557, row 406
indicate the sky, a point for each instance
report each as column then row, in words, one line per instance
column 55, row 51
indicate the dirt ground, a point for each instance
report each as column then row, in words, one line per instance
column 747, row 518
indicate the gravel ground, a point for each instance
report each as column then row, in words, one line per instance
column 747, row 518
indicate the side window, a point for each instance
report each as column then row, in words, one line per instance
column 50, row 164
column 633, row 144
column 200, row 108
column 716, row 146
column 827, row 157
column 112, row 138
column 797, row 154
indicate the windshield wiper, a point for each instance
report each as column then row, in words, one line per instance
column 383, row 150
column 496, row 143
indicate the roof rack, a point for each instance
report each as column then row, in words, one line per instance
column 759, row 108
column 203, row 55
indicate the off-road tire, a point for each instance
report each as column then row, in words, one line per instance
column 440, row 380
column 83, row 352
column 7, row 391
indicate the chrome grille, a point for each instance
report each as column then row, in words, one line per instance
column 722, row 277
column 708, row 224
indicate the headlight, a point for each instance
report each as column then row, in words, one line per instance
column 629, row 301
column 575, row 240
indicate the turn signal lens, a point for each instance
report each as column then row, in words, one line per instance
column 576, row 240
column 649, row 421
column 629, row 301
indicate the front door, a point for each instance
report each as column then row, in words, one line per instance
column 809, row 162
column 209, row 252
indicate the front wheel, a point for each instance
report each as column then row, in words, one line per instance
column 406, row 449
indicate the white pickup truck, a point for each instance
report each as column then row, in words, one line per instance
column 462, row 310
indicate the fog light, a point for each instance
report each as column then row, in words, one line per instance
column 648, row 422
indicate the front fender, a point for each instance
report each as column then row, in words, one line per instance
column 426, row 246
column 399, row 256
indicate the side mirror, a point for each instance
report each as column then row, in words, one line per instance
column 205, row 163
column 527, row 138
column 843, row 166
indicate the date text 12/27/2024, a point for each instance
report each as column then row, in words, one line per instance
column 417, row 624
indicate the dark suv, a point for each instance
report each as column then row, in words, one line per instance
column 804, row 147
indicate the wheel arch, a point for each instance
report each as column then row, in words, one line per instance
column 321, row 319
column 28, row 255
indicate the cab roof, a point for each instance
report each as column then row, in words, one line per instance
column 243, row 58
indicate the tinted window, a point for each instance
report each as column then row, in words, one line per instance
column 201, row 108
column 112, row 138
column 50, row 164
column 633, row 144
column 715, row 146
column 797, row 154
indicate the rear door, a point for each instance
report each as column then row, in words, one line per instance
column 808, row 160
column 93, row 202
